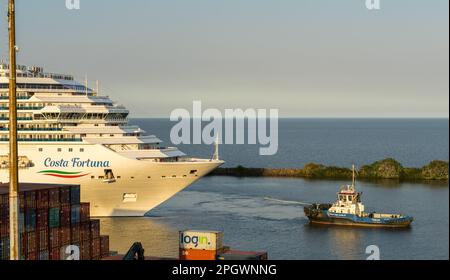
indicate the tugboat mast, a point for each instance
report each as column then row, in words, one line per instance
column 353, row 176
column 13, row 149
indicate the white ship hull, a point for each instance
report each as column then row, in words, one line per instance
column 139, row 185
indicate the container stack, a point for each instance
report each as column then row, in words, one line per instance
column 53, row 224
column 209, row 246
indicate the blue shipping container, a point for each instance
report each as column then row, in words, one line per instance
column 75, row 214
column 75, row 196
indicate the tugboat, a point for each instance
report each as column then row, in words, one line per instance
column 348, row 210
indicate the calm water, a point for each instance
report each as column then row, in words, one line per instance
column 334, row 142
column 263, row 213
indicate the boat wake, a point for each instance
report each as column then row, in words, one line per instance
column 286, row 201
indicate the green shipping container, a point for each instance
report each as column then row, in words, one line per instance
column 53, row 218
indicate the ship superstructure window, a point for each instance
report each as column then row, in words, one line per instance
column 70, row 150
column 41, row 150
column 81, row 150
column 59, row 150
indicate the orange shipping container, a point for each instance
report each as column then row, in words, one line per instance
column 198, row 255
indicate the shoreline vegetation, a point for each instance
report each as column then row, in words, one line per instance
column 387, row 169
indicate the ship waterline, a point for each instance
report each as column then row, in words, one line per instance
column 69, row 134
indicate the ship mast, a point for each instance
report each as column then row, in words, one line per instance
column 13, row 147
column 353, row 176
column 216, row 148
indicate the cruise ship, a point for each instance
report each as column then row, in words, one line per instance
column 68, row 133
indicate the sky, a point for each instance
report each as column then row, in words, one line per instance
column 307, row 58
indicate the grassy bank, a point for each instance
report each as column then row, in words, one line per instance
column 384, row 169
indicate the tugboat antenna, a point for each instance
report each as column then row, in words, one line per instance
column 353, row 176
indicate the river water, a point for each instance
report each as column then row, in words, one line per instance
column 266, row 213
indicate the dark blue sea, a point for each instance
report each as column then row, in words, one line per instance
column 266, row 213
column 341, row 142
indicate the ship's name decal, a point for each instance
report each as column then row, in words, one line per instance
column 76, row 162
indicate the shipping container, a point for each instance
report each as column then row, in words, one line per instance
column 95, row 248
column 75, row 214
column 42, row 199
column 75, row 233
column 4, row 221
column 30, row 200
column 4, row 200
column 22, row 202
column 42, row 219
column 54, row 237
column 198, row 255
column 95, row 228
column 55, row 254
column 30, row 219
column 4, row 248
column 64, row 195
column 233, row 255
column 44, row 256
column 31, row 256
column 85, row 250
column 201, row 240
column 75, row 195
column 53, row 200
column 104, row 246
column 42, row 240
column 53, row 217
column 64, row 236
column 21, row 222
column 64, row 215
column 85, row 231
column 29, row 242
column 85, row 212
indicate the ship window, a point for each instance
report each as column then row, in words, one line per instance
column 92, row 177
column 193, row 171
column 41, row 150
column 118, row 177
column 132, row 177
column 59, row 150
column 149, row 177
column 82, row 150
column 70, row 150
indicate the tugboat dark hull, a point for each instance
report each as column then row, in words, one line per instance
column 319, row 214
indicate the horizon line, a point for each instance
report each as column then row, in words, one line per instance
column 328, row 118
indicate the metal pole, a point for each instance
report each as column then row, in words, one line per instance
column 13, row 153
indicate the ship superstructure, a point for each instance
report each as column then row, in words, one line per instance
column 68, row 133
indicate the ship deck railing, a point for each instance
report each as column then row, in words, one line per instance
column 34, row 129
column 44, row 140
